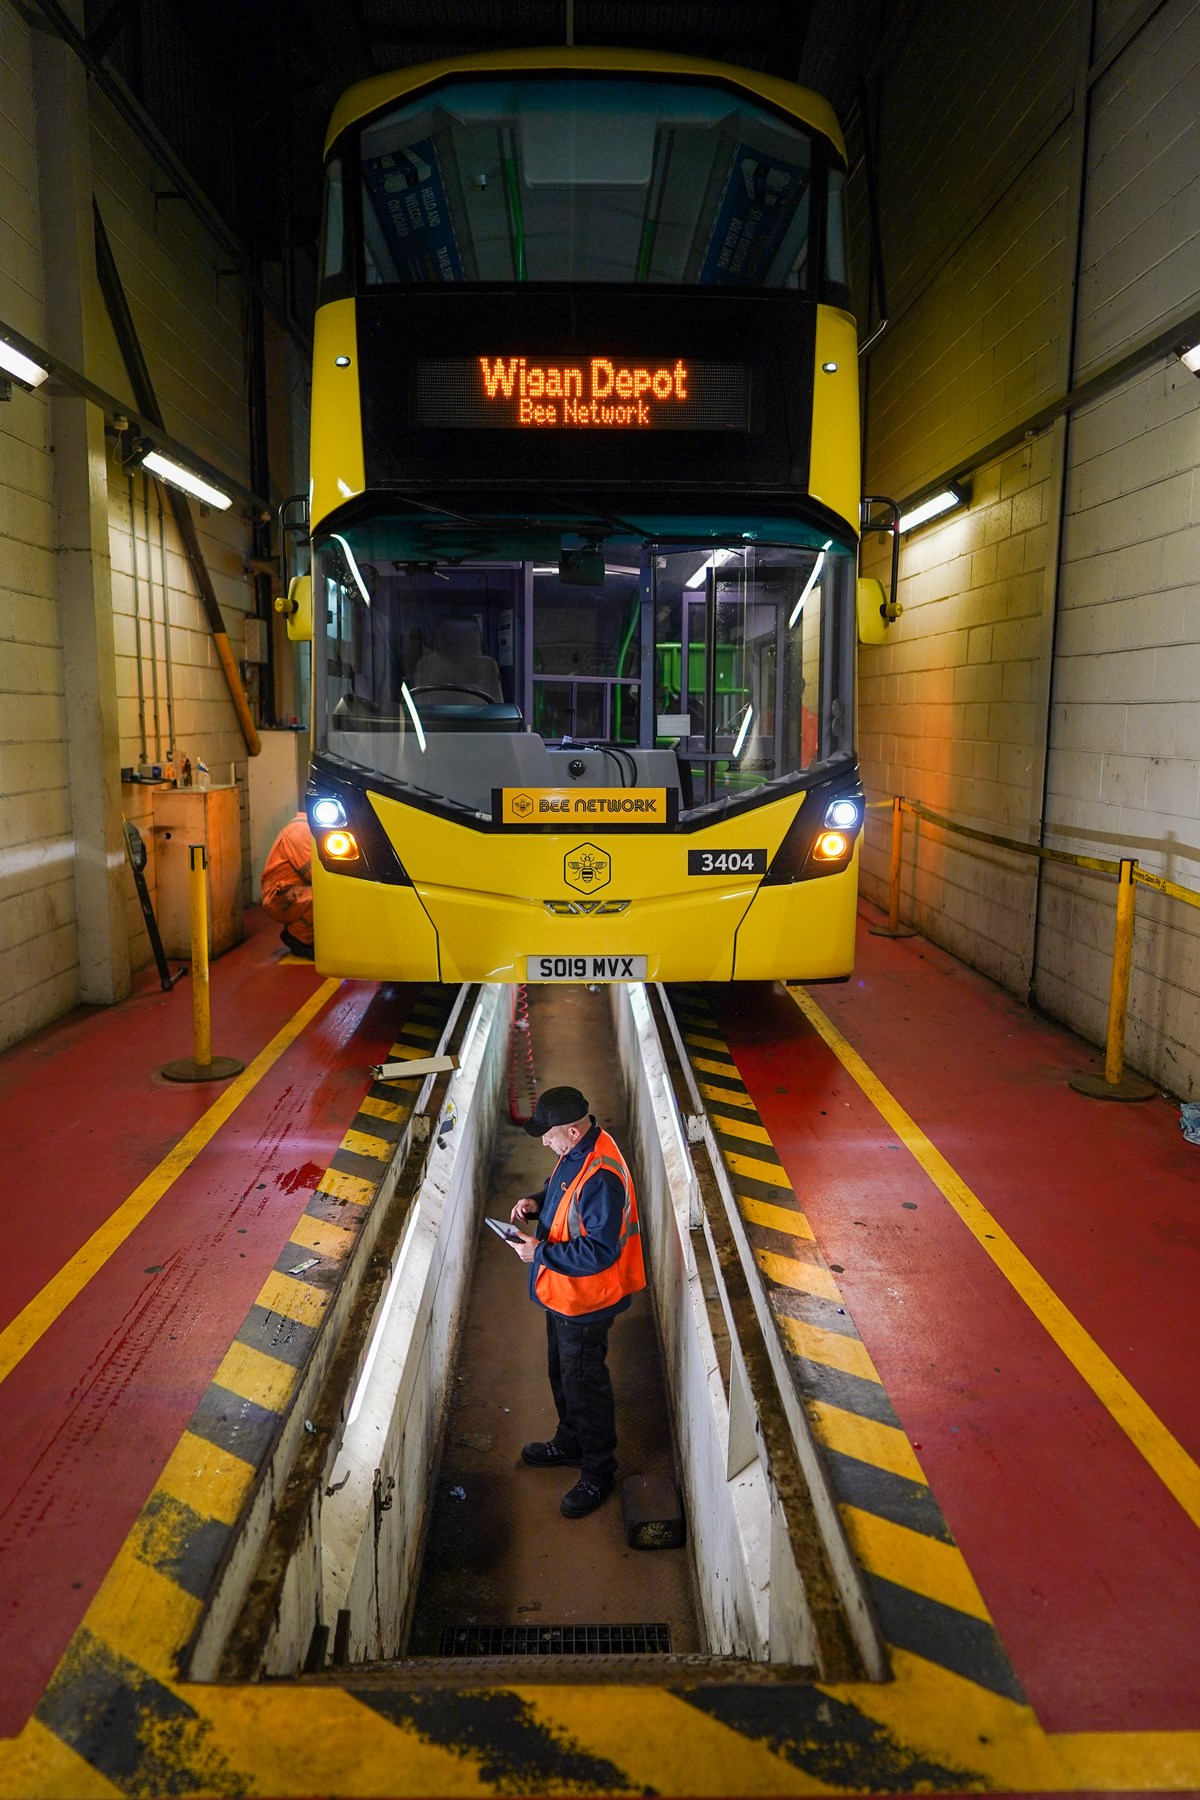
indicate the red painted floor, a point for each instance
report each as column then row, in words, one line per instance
column 1091, row 1570
column 90, row 1415
column 1089, row 1566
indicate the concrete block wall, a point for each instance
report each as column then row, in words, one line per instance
column 952, row 710
column 191, row 324
column 38, row 964
column 1047, row 666
column 190, row 321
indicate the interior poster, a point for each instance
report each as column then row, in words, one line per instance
column 409, row 197
column 759, row 203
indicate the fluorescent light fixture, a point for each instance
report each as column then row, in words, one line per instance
column 743, row 732
column 1189, row 356
column 714, row 561
column 810, row 584
column 191, row 483
column 932, row 507
column 413, row 714
column 22, row 369
column 352, row 565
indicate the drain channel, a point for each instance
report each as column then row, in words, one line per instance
column 556, row 1640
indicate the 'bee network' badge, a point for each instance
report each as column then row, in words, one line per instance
column 586, row 869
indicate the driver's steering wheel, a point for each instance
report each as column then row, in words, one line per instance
column 453, row 687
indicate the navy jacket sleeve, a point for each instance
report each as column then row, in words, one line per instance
column 601, row 1205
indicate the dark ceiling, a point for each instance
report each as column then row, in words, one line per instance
column 242, row 89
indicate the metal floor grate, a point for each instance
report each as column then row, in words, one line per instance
column 556, row 1640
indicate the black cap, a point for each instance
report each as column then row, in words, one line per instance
column 557, row 1106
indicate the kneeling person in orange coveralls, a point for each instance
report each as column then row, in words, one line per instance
column 287, row 885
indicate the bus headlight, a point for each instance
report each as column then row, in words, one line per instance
column 348, row 838
column 820, row 839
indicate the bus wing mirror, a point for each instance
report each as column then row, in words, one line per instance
column 875, row 611
column 297, row 609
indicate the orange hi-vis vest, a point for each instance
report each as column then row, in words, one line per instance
column 575, row 1294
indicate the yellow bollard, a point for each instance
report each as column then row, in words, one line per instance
column 1115, row 1084
column 201, row 999
column 894, row 928
column 202, row 1065
column 1118, row 994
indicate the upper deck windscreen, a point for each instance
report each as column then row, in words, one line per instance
column 584, row 179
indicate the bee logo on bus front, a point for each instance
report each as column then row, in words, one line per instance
column 587, row 869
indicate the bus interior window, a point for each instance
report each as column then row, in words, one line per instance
column 587, row 655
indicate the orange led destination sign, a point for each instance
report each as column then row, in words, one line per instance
column 573, row 807
column 607, row 393
column 600, row 392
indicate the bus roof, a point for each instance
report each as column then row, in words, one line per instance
column 366, row 97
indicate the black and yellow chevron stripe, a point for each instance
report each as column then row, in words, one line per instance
column 186, row 1526
column 924, row 1596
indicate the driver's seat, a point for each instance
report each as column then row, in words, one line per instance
column 455, row 662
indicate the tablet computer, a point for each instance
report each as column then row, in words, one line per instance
column 503, row 1229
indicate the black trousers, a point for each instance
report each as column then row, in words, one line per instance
column 576, row 1359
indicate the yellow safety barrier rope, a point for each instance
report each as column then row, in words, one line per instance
column 1116, row 1085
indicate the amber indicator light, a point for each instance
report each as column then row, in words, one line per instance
column 341, row 846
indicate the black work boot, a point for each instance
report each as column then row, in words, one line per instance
column 549, row 1456
column 584, row 1497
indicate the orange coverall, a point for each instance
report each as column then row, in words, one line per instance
column 287, row 879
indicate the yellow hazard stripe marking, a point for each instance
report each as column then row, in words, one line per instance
column 1177, row 1471
column 832, row 1349
column 34, row 1320
column 742, row 1128
column 347, row 1187
column 393, row 1110
column 885, row 1446
column 40, row 1763
column 725, row 1096
column 955, row 1721
column 907, row 1558
column 410, row 1052
column 365, row 1143
column 252, row 1375
column 792, row 1272
column 331, row 1241
column 425, row 1031
column 754, row 1169
column 703, row 1041
column 661, row 1744
column 293, row 1299
column 775, row 1218
column 715, row 1068
column 914, row 1561
column 142, row 1614
column 1101, row 1761
column 211, row 1480
column 309, row 1741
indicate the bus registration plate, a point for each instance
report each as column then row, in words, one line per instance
column 585, row 968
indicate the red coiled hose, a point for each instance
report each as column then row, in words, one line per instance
column 520, row 1059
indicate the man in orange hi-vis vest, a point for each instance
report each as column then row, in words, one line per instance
column 585, row 1265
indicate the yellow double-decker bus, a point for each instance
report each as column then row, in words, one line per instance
column 584, row 516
